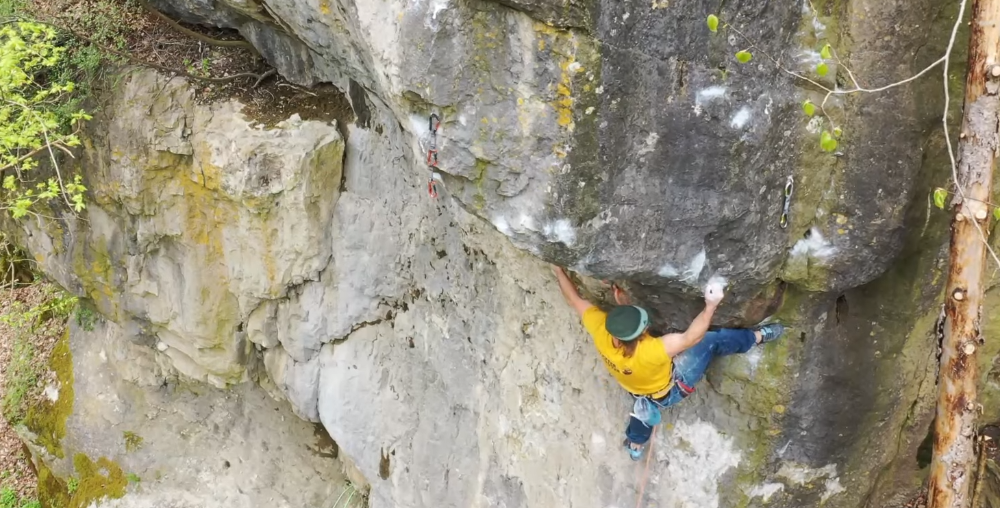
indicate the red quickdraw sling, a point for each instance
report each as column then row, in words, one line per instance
column 433, row 123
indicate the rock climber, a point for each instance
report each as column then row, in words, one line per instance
column 658, row 371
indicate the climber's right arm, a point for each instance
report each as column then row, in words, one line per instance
column 677, row 343
column 569, row 291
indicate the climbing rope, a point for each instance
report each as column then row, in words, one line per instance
column 433, row 123
column 789, row 186
column 645, row 473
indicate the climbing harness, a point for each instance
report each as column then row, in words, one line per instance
column 789, row 186
column 433, row 123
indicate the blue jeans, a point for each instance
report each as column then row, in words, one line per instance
column 689, row 368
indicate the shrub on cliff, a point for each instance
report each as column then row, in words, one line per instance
column 34, row 124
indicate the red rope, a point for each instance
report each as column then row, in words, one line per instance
column 645, row 473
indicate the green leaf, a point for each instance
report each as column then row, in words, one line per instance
column 743, row 56
column 825, row 52
column 822, row 69
column 939, row 196
column 713, row 23
column 826, row 142
column 809, row 108
column 996, row 213
column 837, row 132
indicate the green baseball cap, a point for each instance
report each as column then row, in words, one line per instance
column 627, row 322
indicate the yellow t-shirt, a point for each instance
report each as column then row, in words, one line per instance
column 646, row 372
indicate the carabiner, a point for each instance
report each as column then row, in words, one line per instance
column 431, row 125
column 789, row 188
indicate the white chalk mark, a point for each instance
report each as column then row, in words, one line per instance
column 695, row 267
column 741, row 118
column 560, row 231
column 813, row 245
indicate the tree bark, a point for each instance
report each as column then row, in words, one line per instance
column 951, row 474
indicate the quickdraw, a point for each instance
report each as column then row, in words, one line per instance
column 789, row 187
column 433, row 123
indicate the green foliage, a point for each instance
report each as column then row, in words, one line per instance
column 825, row 53
column 827, row 142
column 33, row 123
column 72, row 485
column 22, row 376
column 23, row 371
column 743, row 56
column 822, row 69
column 85, row 317
column 809, row 108
column 10, row 8
column 996, row 213
column 10, row 499
column 58, row 304
column 713, row 23
column 939, row 197
column 102, row 21
column 133, row 478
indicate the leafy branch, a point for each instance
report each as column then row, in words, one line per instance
column 30, row 120
column 828, row 137
column 188, row 73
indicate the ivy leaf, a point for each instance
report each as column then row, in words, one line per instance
column 996, row 213
column 822, row 69
column 713, row 23
column 826, row 142
column 743, row 56
column 825, row 53
column 809, row 108
column 940, row 195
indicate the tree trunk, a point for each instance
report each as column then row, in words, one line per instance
column 951, row 474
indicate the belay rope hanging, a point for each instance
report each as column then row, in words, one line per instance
column 433, row 123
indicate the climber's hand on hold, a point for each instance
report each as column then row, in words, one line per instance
column 676, row 343
column 714, row 292
column 558, row 270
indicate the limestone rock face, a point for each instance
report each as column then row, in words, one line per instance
column 178, row 445
column 200, row 217
column 624, row 140
column 617, row 138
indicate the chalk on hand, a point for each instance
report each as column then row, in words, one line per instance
column 715, row 289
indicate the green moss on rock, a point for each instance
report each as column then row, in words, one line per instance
column 97, row 480
column 47, row 420
column 53, row 492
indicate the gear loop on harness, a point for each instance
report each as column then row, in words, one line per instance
column 433, row 124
